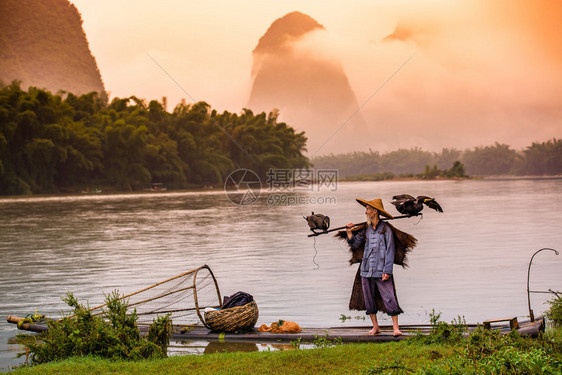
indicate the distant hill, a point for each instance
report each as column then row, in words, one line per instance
column 42, row 44
column 292, row 73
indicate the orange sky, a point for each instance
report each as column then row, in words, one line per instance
column 482, row 71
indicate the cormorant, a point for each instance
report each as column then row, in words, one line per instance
column 408, row 205
column 318, row 222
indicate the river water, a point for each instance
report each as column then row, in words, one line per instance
column 470, row 261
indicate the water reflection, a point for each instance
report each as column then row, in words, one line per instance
column 184, row 347
column 220, row 347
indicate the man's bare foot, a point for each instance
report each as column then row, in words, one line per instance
column 396, row 333
column 374, row 331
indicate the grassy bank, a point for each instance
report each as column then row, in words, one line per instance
column 447, row 349
column 341, row 359
column 481, row 353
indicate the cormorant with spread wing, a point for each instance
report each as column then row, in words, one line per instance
column 408, row 205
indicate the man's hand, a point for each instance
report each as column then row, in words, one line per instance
column 385, row 276
column 349, row 226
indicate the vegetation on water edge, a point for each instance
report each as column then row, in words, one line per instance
column 554, row 313
column 51, row 143
column 112, row 335
column 448, row 349
column 66, row 143
column 484, row 352
column 457, row 170
column 541, row 158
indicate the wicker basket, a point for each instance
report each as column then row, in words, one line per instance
column 238, row 318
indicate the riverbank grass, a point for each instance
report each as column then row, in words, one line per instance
column 447, row 349
column 340, row 359
column 445, row 352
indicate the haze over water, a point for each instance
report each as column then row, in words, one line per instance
column 470, row 261
column 480, row 71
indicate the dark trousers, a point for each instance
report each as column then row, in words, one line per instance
column 387, row 292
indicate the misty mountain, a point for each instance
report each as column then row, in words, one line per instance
column 292, row 73
column 42, row 44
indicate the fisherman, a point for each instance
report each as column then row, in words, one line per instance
column 377, row 264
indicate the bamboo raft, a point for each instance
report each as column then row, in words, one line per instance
column 345, row 334
column 196, row 322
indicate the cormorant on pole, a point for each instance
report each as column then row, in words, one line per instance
column 408, row 205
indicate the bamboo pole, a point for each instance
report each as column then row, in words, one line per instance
column 13, row 319
column 363, row 223
column 154, row 298
column 31, row 326
column 161, row 295
column 175, row 310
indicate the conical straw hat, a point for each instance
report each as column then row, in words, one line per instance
column 375, row 203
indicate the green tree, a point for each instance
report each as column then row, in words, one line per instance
column 490, row 160
column 124, row 151
column 457, row 170
column 542, row 158
column 48, row 143
column 430, row 173
column 406, row 161
column 447, row 157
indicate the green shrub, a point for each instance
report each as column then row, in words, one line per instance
column 325, row 342
column 554, row 313
column 506, row 360
column 484, row 351
column 84, row 333
column 441, row 331
column 160, row 332
column 552, row 338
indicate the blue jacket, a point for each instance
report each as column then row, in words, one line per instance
column 378, row 256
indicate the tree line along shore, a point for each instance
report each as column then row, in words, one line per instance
column 54, row 143
column 63, row 143
column 538, row 159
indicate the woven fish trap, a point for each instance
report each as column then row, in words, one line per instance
column 183, row 298
column 238, row 318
